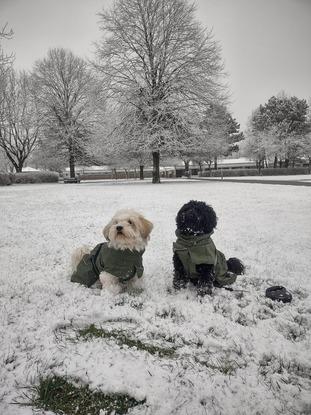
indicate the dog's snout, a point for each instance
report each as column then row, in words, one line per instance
column 119, row 228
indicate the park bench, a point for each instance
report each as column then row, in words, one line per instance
column 72, row 179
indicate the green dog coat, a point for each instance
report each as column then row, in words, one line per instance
column 194, row 250
column 123, row 264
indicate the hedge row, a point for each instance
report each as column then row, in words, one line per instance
column 36, row 177
column 6, row 179
column 28, row 177
column 255, row 172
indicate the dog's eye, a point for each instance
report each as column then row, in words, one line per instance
column 130, row 222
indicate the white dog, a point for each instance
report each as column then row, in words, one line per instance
column 117, row 263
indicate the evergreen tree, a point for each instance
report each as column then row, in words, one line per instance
column 286, row 117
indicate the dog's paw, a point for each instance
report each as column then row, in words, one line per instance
column 204, row 289
column 179, row 285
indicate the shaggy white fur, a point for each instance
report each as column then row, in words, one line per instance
column 127, row 229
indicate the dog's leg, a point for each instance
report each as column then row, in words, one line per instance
column 206, row 279
column 180, row 279
column 110, row 283
column 136, row 283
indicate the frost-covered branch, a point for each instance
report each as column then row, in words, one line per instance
column 156, row 60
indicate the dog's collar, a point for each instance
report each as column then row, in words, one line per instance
column 179, row 234
column 190, row 240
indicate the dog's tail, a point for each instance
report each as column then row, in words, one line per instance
column 77, row 255
column 236, row 266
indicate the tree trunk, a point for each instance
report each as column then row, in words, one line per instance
column 200, row 167
column 309, row 166
column 210, row 167
column 259, row 166
column 19, row 166
column 187, row 172
column 215, row 163
column 15, row 165
column 72, row 165
column 141, row 172
column 281, row 163
column 286, row 163
column 156, row 167
column 275, row 163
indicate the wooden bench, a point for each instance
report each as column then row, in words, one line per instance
column 71, row 179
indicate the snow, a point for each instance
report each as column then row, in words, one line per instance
column 240, row 160
column 27, row 169
column 294, row 178
column 237, row 352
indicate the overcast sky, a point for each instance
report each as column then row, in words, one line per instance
column 266, row 43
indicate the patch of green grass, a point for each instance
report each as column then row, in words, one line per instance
column 59, row 395
column 226, row 367
column 122, row 339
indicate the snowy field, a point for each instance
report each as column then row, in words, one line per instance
column 294, row 178
column 234, row 353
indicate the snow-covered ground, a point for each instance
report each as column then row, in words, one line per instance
column 290, row 178
column 236, row 352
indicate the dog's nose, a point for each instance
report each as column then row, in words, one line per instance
column 119, row 228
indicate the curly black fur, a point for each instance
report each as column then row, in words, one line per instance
column 196, row 218
column 236, row 266
column 180, row 279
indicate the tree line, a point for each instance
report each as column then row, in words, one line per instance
column 154, row 89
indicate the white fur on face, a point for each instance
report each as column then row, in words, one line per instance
column 128, row 230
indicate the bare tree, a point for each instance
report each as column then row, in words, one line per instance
column 121, row 140
column 5, row 60
column 156, row 58
column 64, row 84
column 133, row 139
column 20, row 122
column 5, row 164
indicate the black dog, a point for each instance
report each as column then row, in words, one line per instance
column 196, row 258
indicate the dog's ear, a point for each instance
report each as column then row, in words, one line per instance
column 145, row 227
column 106, row 231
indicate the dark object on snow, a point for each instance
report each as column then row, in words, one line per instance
column 196, row 258
column 279, row 293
